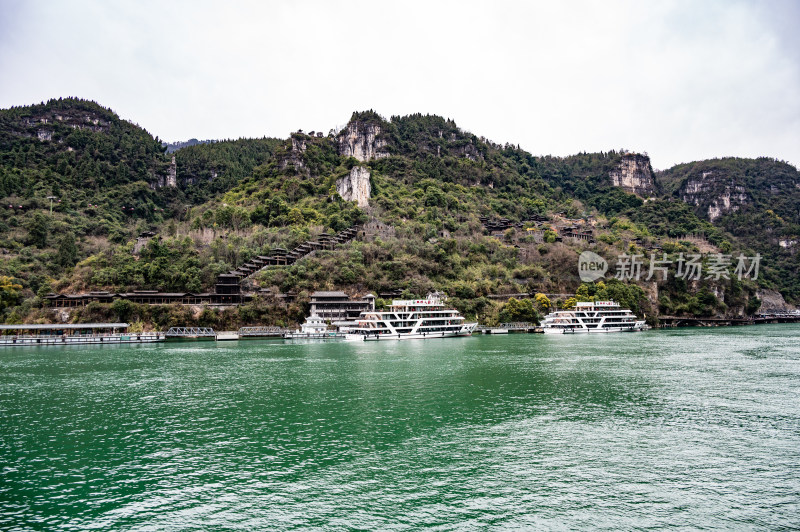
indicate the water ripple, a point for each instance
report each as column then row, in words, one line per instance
column 684, row 428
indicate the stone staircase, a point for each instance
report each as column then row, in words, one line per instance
column 283, row 257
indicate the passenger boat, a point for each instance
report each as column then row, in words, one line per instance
column 592, row 317
column 411, row 319
column 313, row 328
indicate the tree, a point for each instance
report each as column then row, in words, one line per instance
column 518, row 310
column 583, row 293
column 123, row 309
column 260, row 215
column 224, row 215
column 295, row 216
column 542, row 302
column 38, row 228
column 67, row 250
column 9, row 292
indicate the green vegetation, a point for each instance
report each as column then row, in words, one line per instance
column 9, row 292
column 766, row 199
column 206, row 170
column 105, row 179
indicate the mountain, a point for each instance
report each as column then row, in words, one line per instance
column 441, row 209
column 172, row 147
column 757, row 201
column 719, row 187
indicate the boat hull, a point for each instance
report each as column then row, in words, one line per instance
column 580, row 330
column 408, row 336
column 313, row 336
column 105, row 339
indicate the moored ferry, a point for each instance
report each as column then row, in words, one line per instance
column 314, row 328
column 74, row 334
column 411, row 319
column 592, row 317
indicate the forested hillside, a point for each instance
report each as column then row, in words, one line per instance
column 755, row 200
column 430, row 187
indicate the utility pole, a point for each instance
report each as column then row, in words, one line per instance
column 51, row 198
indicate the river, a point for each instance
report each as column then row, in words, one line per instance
column 693, row 428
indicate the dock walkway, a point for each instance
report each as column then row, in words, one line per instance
column 505, row 328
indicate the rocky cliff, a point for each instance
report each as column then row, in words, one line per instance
column 295, row 155
column 772, row 301
column 362, row 140
column 53, row 122
column 355, row 186
column 634, row 174
column 714, row 192
column 170, row 179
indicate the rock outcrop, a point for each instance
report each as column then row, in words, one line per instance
column 714, row 193
column 355, row 186
column 634, row 174
column 295, row 155
column 168, row 180
column 172, row 174
column 469, row 151
column 772, row 301
column 362, row 141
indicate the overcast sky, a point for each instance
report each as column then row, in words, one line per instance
column 680, row 80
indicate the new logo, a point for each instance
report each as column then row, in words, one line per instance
column 591, row 266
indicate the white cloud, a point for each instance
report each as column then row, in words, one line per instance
column 681, row 80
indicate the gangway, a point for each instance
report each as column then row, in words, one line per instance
column 504, row 328
column 191, row 333
column 262, row 332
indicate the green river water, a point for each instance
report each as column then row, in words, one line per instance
column 690, row 428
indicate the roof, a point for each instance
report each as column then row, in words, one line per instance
column 329, row 294
column 68, row 296
column 60, row 326
column 157, row 294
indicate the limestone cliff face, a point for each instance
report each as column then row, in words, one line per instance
column 168, row 180
column 362, row 141
column 634, row 175
column 772, row 301
column 295, row 155
column 714, row 193
column 469, row 151
column 172, row 174
column 355, row 186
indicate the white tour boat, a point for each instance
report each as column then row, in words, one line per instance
column 411, row 319
column 592, row 317
column 313, row 328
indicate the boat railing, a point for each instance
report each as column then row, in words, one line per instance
column 7, row 337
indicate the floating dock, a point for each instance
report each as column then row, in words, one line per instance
column 74, row 334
